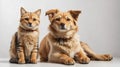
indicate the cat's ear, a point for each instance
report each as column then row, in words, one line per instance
column 23, row 11
column 38, row 12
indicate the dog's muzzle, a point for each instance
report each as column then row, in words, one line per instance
column 62, row 26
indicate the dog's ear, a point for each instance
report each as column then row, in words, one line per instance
column 51, row 13
column 23, row 11
column 74, row 13
column 38, row 12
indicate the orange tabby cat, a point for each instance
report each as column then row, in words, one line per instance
column 24, row 44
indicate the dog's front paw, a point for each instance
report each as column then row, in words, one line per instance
column 69, row 61
column 34, row 60
column 84, row 60
column 107, row 57
column 21, row 61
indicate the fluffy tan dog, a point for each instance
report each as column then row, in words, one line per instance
column 24, row 44
column 62, row 44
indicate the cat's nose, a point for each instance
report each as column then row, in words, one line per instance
column 30, row 24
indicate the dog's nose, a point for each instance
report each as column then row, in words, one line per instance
column 62, row 26
column 30, row 24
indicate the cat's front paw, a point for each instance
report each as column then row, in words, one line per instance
column 21, row 61
column 34, row 60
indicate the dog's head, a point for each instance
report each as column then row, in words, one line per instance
column 63, row 21
column 29, row 20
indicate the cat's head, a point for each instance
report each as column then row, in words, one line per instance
column 30, row 20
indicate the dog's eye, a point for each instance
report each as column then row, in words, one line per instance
column 57, row 19
column 26, row 19
column 68, row 19
column 34, row 19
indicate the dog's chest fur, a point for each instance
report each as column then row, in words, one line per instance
column 70, row 47
column 28, row 40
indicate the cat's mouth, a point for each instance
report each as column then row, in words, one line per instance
column 32, row 26
column 29, row 25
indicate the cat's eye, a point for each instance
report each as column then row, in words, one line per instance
column 34, row 19
column 68, row 19
column 26, row 19
column 57, row 19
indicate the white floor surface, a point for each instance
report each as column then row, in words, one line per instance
column 114, row 63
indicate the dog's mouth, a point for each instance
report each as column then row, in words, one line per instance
column 63, row 28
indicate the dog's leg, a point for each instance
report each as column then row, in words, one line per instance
column 61, row 58
column 13, row 54
column 43, row 57
column 81, row 57
column 44, row 50
column 93, row 55
column 34, row 55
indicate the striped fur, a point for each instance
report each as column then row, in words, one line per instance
column 24, row 44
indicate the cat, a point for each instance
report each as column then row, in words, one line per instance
column 24, row 44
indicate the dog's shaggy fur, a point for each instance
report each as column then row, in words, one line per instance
column 62, row 44
column 24, row 47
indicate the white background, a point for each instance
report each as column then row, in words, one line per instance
column 98, row 23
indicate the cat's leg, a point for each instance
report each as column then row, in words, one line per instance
column 34, row 54
column 20, row 52
column 12, row 51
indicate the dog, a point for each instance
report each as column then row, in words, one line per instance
column 24, row 44
column 62, row 44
